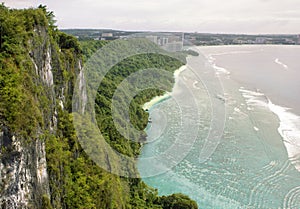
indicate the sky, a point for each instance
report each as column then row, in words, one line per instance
column 211, row 16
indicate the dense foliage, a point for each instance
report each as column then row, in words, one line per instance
column 138, row 116
column 26, row 106
column 176, row 201
column 19, row 108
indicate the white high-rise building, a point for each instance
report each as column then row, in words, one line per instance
column 152, row 38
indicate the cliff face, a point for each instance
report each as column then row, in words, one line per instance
column 23, row 172
column 42, row 164
column 24, row 181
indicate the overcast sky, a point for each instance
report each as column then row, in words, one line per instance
column 221, row 16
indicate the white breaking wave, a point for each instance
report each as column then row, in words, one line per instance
column 253, row 98
column 220, row 70
column 289, row 128
column 281, row 64
column 180, row 70
column 195, row 85
column 211, row 59
column 156, row 100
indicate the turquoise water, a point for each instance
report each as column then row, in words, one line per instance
column 224, row 137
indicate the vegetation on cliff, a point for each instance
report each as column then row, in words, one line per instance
column 28, row 105
column 19, row 110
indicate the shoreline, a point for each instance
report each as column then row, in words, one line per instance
column 288, row 130
column 288, row 122
column 167, row 95
column 267, row 132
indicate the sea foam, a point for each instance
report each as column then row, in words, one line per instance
column 219, row 70
column 281, row 64
column 289, row 127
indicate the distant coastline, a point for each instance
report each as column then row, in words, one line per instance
column 199, row 39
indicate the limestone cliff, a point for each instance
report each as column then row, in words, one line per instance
column 42, row 164
column 24, row 181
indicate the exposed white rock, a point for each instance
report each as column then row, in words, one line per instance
column 18, row 173
column 82, row 88
column 47, row 74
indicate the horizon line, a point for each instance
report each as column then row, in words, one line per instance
column 195, row 32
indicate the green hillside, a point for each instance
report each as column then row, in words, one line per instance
column 38, row 69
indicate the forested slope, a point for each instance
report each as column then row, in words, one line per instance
column 42, row 163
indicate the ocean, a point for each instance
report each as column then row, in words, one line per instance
column 228, row 135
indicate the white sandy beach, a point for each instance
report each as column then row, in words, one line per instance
column 167, row 95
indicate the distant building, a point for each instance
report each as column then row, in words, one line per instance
column 152, row 38
column 123, row 37
column 164, row 41
column 159, row 40
column 260, row 40
column 192, row 38
column 167, row 41
column 289, row 41
column 107, row 35
column 174, row 39
column 239, row 41
column 174, row 46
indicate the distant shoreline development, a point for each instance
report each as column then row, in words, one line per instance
column 172, row 38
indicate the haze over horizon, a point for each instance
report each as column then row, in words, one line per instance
column 204, row 16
